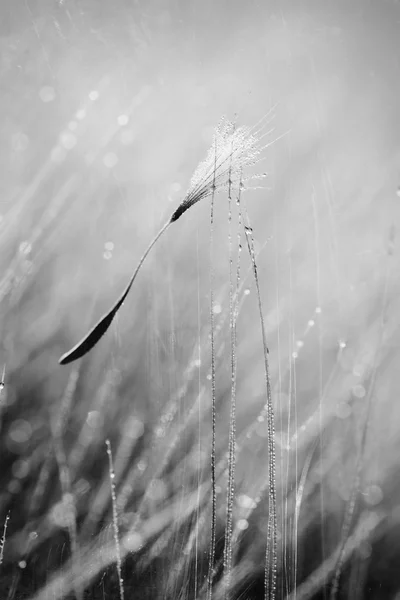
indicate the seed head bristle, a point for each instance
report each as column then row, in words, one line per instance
column 233, row 149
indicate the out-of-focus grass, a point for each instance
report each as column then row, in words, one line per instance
column 329, row 283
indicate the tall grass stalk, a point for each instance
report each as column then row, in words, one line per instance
column 271, row 558
column 196, row 532
column 211, row 560
column 230, row 492
column 317, row 237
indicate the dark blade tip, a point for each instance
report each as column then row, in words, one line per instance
column 71, row 355
column 65, row 359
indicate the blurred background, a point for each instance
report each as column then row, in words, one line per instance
column 106, row 110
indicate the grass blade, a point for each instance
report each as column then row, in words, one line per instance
column 97, row 332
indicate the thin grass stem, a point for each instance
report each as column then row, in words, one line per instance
column 3, row 538
column 115, row 520
column 211, row 561
column 230, row 493
column 271, row 550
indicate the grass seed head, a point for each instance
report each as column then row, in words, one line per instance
column 233, row 150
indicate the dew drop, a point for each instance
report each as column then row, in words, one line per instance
column 343, row 410
column 176, row 187
column 359, row 370
column 157, row 489
column 373, row 495
column 365, row 549
column 123, row 120
column 134, row 428
column 68, row 140
column 47, row 94
column 94, row 419
column 132, row 541
column 20, row 469
column 20, row 142
column 20, row 431
column 110, row 160
column 359, row 391
column 25, row 248
column 159, row 432
column 14, row 487
column 242, row 524
column 63, row 512
column 245, row 501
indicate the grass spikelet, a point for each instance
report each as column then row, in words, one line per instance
column 233, row 150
